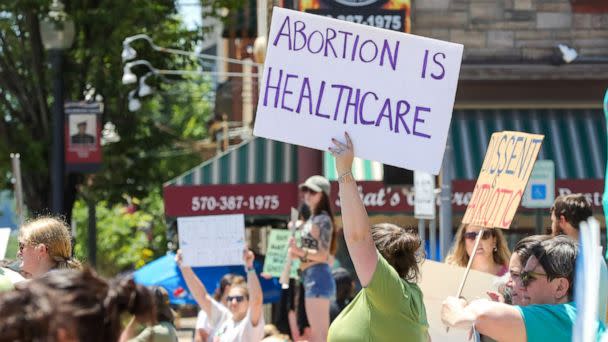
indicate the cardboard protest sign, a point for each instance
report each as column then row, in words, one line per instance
column 5, row 234
column 393, row 92
column 502, row 180
column 276, row 254
column 212, row 240
column 437, row 282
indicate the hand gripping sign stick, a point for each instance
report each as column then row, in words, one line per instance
column 284, row 279
column 466, row 272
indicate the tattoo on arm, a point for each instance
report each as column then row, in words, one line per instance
column 325, row 231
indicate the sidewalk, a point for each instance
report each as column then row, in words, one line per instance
column 185, row 329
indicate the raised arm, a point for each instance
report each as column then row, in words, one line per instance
column 256, row 297
column 195, row 285
column 499, row 321
column 355, row 221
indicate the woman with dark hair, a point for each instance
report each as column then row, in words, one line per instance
column 389, row 307
column 318, row 246
column 521, row 254
column 492, row 254
column 70, row 305
column 163, row 330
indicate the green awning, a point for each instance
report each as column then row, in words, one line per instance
column 575, row 139
column 257, row 160
column 363, row 170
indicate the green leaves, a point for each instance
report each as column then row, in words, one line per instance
column 125, row 239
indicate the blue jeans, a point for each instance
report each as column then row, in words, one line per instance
column 318, row 282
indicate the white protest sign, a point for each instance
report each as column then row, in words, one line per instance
column 424, row 199
column 5, row 234
column 587, row 278
column 212, row 240
column 393, row 92
column 437, row 282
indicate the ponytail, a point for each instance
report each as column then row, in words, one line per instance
column 126, row 296
column 68, row 263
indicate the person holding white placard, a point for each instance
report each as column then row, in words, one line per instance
column 389, row 307
column 492, row 254
column 204, row 330
column 243, row 320
column 318, row 246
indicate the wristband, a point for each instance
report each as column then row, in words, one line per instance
column 249, row 269
column 343, row 176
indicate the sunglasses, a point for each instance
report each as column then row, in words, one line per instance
column 237, row 298
column 21, row 246
column 473, row 235
column 527, row 277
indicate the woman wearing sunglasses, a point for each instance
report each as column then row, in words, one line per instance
column 548, row 280
column 386, row 258
column 45, row 244
column 318, row 246
column 492, row 254
column 243, row 321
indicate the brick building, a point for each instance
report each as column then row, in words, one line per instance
column 514, row 77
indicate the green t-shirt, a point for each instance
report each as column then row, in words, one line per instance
column 388, row 309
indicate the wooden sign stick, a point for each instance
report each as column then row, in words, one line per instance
column 466, row 272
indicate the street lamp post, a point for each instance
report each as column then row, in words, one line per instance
column 57, row 33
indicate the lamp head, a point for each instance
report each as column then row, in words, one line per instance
column 128, row 77
column 128, row 53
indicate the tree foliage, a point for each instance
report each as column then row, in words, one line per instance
column 154, row 140
column 126, row 238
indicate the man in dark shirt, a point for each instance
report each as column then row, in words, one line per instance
column 82, row 137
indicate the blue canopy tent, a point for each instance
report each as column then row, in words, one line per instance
column 165, row 272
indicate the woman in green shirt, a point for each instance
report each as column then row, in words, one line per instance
column 386, row 257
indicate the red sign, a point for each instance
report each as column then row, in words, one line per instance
column 248, row 199
column 277, row 199
column 378, row 197
column 592, row 189
column 82, row 136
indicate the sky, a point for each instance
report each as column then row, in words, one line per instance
column 190, row 11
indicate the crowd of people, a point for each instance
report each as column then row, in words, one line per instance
column 52, row 297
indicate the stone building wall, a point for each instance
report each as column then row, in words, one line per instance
column 511, row 31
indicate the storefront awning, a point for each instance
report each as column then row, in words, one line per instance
column 575, row 139
column 256, row 161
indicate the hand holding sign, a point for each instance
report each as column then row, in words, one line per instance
column 344, row 154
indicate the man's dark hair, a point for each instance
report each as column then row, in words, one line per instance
column 557, row 256
column 574, row 207
column 523, row 248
